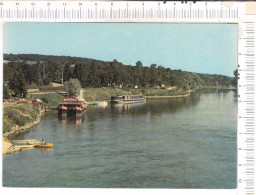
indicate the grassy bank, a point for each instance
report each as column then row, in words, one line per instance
column 49, row 99
column 103, row 94
column 19, row 115
column 100, row 94
column 163, row 92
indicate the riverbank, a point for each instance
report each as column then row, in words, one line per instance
column 104, row 94
column 17, row 119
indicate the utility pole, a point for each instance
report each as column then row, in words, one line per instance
column 62, row 74
column 43, row 71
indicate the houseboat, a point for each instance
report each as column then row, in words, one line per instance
column 71, row 106
column 128, row 99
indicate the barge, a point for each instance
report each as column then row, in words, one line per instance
column 71, row 106
column 127, row 99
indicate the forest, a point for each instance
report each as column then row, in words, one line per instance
column 25, row 69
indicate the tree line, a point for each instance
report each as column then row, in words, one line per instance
column 19, row 74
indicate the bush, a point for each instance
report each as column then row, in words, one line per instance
column 46, row 81
column 19, row 115
column 16, row 117
column 73, row 87
column 44, row 99
column 6, row 127
column 25, row 109
column 6, row 92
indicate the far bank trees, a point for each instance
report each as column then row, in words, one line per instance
column 94, row 73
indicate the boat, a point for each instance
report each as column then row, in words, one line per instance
column 25, row 146
column 127, row 99
column 23, row 141
column 20, row 143
column 71, row 105
column 50, row 145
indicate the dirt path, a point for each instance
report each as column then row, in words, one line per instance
column 80, row 97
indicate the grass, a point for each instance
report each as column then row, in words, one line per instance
column 100, row 94
column 49, row 99
column 46, row 88
column 19, row 115
column 162, row 92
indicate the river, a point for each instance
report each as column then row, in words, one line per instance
column 166, row 143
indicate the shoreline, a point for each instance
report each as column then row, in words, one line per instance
column 169, row 96
column 9, row 147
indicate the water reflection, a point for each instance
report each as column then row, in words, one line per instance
column 155, row 106
column 126, row 107
column 75, row 120
column 215, row 90
column 43, row 150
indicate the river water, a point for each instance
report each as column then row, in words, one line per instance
column 166, row 143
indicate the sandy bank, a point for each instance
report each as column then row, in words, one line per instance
column 9, row 148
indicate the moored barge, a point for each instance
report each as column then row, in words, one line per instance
column 128, row 99
column 71, row 106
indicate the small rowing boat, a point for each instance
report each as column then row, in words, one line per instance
column 20, row 143
column 23, row 141
column 25, row 146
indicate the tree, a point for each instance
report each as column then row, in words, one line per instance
column 93, row 78
column 81, row 73
column 153, row 75
column 6, row 91
column 67, row 72
column 73, row 87
column 138, row 73
column 18, row 83
column 236, row 77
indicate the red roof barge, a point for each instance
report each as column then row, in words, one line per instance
column 72, row 106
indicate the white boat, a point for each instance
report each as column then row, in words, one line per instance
column 128, row 99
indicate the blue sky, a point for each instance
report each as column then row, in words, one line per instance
column 202, row 48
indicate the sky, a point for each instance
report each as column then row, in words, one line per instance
column 201, row 48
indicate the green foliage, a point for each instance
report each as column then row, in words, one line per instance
column 73, row 87
column 49, row 98
column 6, row 127
column 236, row 77
column 17, row 83
column 19, row 115
column 44, row 99
column 6, row 92
column 95, row 74
column 46, row 81
column 67, row 72
column 34, row 114
column 25, row 109
column 162, row 92
column 99, row 94
column 16, row 116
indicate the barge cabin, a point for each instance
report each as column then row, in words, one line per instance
column 128, row 99
column 71, row 106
